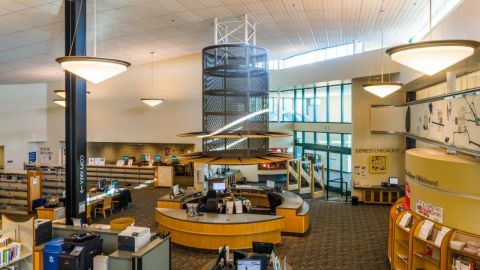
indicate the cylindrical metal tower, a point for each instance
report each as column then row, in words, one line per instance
column 235, row 100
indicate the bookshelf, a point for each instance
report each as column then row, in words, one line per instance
column 458, row 259
column 394, row 211
column 402, row 239
column 429, row 251
column 132, row 175
column 53, row 178
column 20, row 233
column 18, row 189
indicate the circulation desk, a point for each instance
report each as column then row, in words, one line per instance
column 213, row 230
column 294, row 211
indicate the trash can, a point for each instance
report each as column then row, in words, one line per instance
column 51, row 250
column 354, row 200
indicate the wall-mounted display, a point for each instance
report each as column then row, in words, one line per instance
column 377, row 164
column 429, row 211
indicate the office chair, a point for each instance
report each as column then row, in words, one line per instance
column 273, row 201
column 211, row 206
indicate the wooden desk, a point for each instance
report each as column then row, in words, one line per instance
column 211, row 263
column 228, row 177
column 50, row 213
column 213, row 230
column 97, row 198
column 177, row 203
column 381, row 195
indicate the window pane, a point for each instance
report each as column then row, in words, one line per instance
column 342, row 51
column 298, row 152
column 309, row 137
column 309, row 155
column 334, row 162
column 335, row 139
column 298, row 106
column 321, row 157
column 273, row 106
column 347, row 140
column 286, row 105
column 321, row 138
column 308, row 101
column 321, row 104
column 298, row 137
column 347, row 163
column 320, row 55
column 347, row 103
column 335, row 103
column 331, row 52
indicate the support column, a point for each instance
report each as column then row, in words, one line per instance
column 75, row 114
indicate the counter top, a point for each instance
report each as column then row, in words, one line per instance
column 290, row 199
column 211, row 218
column 127, row 255
column 187, row 194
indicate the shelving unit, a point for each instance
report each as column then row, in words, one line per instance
column 402, row 240
column 380, row 194
column 427, row 254
column 53, row 178
column 132, row 175
column 20, row 232
column 18, row 189
column 460, row 254
column 394, row 211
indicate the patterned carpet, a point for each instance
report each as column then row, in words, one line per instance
column 341, row 236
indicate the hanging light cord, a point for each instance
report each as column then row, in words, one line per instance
column 152, row 73
column 75, row 30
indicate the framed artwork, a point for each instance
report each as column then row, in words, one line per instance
column 377, row 164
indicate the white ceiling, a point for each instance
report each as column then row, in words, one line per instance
column 31, row 31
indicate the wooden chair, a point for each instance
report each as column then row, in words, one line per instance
column 102, row 208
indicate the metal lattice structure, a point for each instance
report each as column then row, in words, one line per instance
column 235, row 100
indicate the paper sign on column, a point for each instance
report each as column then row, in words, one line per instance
column 238, row 207
column 426, row 230
column 441, row 234
column 405, row 219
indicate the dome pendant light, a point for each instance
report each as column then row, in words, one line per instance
column 430, row 57
column 60, row 102
column 382, row 89
column 93, row 69
column 63, row 93
column 152, row 102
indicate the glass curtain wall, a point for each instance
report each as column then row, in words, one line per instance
column 317, row 104
column 333, row 149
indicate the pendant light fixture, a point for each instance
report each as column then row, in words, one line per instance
column 152, row 102
column 93, row 69
column 430, row 57
column 63, row 93
column 382, row 89
column 60, row 102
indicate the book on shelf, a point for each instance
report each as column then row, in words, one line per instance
column 440, row 235
column 405, row 221
column 463, row 263
column 9, row 253
column 426, row 230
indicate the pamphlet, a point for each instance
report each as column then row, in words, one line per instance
column 405, row 219
column 229, row 207
column 441, row 234
column 238, row 207
column 426, row 230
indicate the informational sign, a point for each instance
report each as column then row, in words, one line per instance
column 32, row 157
column 430, row 211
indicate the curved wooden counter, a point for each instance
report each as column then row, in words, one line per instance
column 213, row 230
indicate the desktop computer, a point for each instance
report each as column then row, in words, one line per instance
column 219, row 186
column 101, row 184
column 393, row 181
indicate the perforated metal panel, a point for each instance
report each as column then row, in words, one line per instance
column 235, row 99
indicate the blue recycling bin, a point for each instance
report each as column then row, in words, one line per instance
column 51, row 250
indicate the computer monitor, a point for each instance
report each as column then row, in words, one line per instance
column 157, row 158
column 175, row 189
column 219, row 186
column 143, row 157
column 262, row 247
column 114, row 183
column 125, row 158
column 270, row 184
column 249, row 264
column 101, row 184
column 393, row 181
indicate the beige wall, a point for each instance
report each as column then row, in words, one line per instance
column 23, row 120
column 362, row 138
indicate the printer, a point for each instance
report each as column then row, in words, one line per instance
column 43, row 230
column 133, row 238
column 79, row 251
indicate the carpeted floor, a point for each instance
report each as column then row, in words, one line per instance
column 341, row 236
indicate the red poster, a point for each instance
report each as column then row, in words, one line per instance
column 406, row 203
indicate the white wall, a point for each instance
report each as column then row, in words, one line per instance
column 23, row 120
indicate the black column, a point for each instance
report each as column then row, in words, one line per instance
column 410, row 142
column 75, row 114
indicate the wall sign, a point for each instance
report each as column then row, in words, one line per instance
column 429, row 211
column 377, row 164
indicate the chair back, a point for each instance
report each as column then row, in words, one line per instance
column 107, row 202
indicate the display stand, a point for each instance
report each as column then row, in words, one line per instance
column 429, row 253
column 403, row 237
column 23, row 233
column 457, row 256
column 394, row 211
